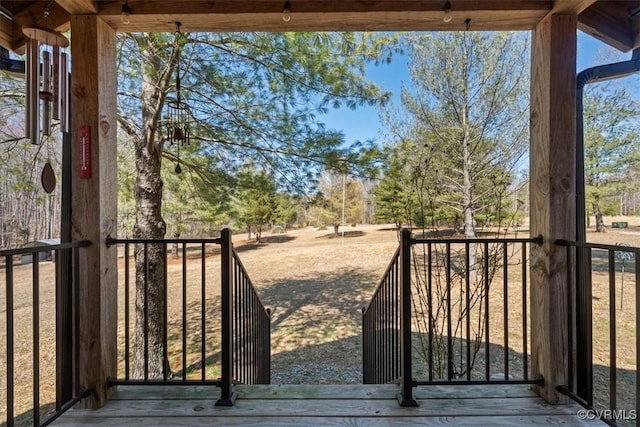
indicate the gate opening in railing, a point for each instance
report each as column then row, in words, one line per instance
column 450, row 311
column 604, row 325
column 202, row 324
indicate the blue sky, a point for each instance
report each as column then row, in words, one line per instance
column 364, row 123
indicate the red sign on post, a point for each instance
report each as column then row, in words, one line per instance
column 84, row 152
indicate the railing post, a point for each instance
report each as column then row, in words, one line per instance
column 405, row 397
column 228, row 396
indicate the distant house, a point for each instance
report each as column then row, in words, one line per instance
column 42, row 256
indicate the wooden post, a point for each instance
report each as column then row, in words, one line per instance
column 553, row 177
column 94, row 209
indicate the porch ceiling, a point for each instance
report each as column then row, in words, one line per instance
column 615, row 22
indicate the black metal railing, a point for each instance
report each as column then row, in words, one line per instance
column 381, row 329
column 251, row 330
column 53, row 315
column 213, row 328
column 470, row 301
column 247, row 332
column 450, row 311
column 602, row 322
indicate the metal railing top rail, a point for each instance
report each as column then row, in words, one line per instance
column 244, row 271
column 115, row 241
column 537, row 240
column 47, row 248
column 393, row 261
column 594, row 245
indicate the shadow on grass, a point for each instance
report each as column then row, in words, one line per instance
column 202, row 340
column 342, row 293
column 26, row 418
column 352, row 233
column 251, row 245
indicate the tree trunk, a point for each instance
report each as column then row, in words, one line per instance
column 150, row 293
column 598, row 214
column 149, row 225
column 467, row 196
column 175, row 247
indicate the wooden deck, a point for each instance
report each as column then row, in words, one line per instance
column 326, row 405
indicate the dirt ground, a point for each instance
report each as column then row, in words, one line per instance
column 316, row 285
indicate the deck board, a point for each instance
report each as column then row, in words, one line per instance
column 326, row 405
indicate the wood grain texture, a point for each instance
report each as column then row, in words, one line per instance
column 94, row 201
column 326, row 405
column 553, row 176
column 609, row 22
column 323, row 15
column 287, row 421
column 324, row 391
column 571, row 7
column 79, row 7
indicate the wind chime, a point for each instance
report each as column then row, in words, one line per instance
column 47, row 89
column 178, row 114
column 47, row 83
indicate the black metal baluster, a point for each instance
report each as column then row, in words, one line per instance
column 203, row 310
column 487, row 365
column 236, row 322
column 449, row 331
column 637, row 265
column 505, row 279
column 430, row 306
column 10, row 332
column 525, row 332
column 35, row 257
column 184, row 311
column 612, row 332
column 146, row 312
column 396, row 327
column 127, row 320
column 165, row 333
column 467, row 305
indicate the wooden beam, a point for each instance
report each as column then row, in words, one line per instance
column 34, row 16
column 635, row 28
column 325, row 15
column 94, row 201
column 6, row 32
column 329, row 15
column 611, row 23
column 79, row 7
column 553, row 187
column 570, row 7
